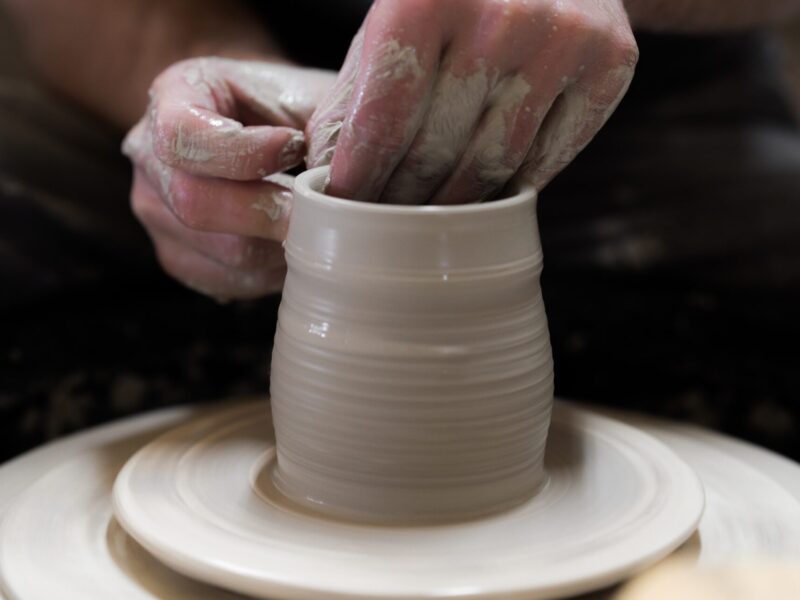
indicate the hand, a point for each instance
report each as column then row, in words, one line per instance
column 205, row 157
column 445, row 101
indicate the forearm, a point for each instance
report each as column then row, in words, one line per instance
column 708, row 15
column 104, row 53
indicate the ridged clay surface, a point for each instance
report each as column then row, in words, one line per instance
column 412, row 376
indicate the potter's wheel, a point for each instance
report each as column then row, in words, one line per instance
column 68, row 545
column 201, row 499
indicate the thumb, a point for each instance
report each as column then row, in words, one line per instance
column 192, row 126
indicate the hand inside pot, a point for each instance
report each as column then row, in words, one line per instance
column 444, row 101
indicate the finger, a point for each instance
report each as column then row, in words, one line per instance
column 323, row 128
column 193, row 128
column 258, row 209
column 471, row 101
column 501, row 141
column 202, row 142
column 519, row 102
column 226, row 250
column 457, row 102
column 207, row 277
column 395, row 76
column 577, row 115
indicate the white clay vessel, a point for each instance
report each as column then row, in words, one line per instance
column 412, row 375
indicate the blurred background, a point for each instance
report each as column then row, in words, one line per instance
column 672, row 259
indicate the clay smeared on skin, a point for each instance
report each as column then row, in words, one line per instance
column 325, row 136
column 492, row 162
column 454, row 109
column 186, row 146
column 214, row 130
column 447, row 127
column 567, row 130
column 199, row 146
column 275, row 205
column 292, row 153
column 326, row 122
column 396, row 61
column 394, row 64
column 284, row 97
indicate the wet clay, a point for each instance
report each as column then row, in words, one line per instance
column 412, row 373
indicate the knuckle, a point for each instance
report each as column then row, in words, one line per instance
column 505, row 23
column 627, row 51
column 619, row 61
column 498, row 21
column 620, row 45
column 571, row 19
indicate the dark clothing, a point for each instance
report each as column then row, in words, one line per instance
column 321, row 41
column 672, row 257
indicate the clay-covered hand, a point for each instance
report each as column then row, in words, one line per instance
column 205, row 158
column 446, row 100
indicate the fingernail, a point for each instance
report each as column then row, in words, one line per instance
column 292, row 153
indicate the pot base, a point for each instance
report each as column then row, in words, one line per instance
column 272, row 483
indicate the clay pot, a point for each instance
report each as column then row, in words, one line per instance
column 412, row 374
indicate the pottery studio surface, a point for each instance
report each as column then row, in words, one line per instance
column 411, row 447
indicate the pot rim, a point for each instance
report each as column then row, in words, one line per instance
column 305, row 183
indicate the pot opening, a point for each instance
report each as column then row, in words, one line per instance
column 311, row 184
